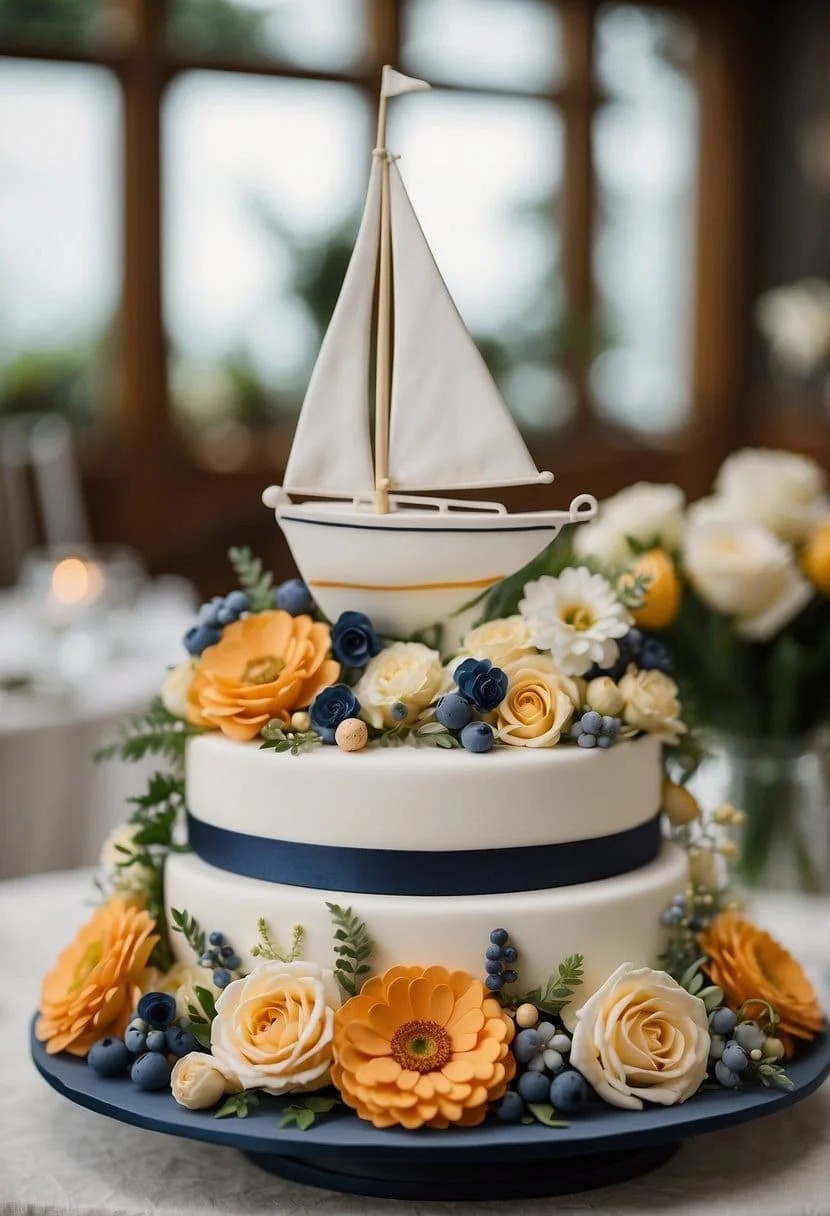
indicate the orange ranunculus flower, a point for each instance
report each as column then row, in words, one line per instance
column 422, row 1046
column 746, row 962
column 96, row 983
column 816, row 558
column 661, row 601
column 265, row 666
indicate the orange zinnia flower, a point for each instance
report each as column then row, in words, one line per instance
column 746, row 962
column 422, row 1046
column 265, row 666
column 96, row 983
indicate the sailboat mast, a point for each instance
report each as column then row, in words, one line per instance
column 384, row 322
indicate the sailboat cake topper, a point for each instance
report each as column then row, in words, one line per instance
column 375, row 542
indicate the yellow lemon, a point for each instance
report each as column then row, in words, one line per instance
column 661, row 600
column 816, row 559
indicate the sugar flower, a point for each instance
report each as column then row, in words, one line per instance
column 330, row 707
column 422, row 1046
column 96, row 982
column 266, row 666
column 405, row 674
column 481, row 683
column 651, row 703
column 642, row 1038
column 781, row 491
column 500, row 641
column 197, row 1081
column 128, row 876
column 353, row 639
column 539, row 704
column 577, row 617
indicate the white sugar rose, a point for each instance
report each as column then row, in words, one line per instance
column 539, row 703
column 126, row 876
column 176, row 686
column 274, row 1029
column 405, row 673
column 500, row 641
column 198, row 1082
column 781, row 491
column 743, row 571
column 651, row 703
column 641, row 1038
column 645, row 512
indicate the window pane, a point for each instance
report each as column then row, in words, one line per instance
column 484, row 174
column 310, row 33
column 507, row 43
column 59, row 235
column 645, row 153
column 264, row 180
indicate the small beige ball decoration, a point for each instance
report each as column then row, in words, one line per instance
column 300, row 720
column 527, row 1015
column 352, row 735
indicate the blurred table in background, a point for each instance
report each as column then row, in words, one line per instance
column 56, row 805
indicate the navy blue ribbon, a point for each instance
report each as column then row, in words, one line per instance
column 422, row 872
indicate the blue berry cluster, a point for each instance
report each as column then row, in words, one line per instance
column 499, row 952
column 212, row 619
column 593, row 729
column 646, row 651
column 293, row 597
column 734, row 1045
column 221, row 958
column 544, row 1075
column 151, row 1038
column 682, row 912
column 481, row 689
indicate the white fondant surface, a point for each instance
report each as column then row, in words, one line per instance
column 403, row 798
column 610, row 922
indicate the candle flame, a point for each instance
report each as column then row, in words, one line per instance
column 76, row 582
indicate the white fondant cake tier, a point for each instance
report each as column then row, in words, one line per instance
column 611, row 921
column 419, row 799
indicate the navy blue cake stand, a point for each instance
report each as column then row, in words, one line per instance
column 603, row 1145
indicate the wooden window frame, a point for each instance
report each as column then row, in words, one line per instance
column 138, row 470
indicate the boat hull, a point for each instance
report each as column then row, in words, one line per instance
column 412, row 569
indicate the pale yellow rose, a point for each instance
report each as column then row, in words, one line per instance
column 651, row 703
column 274, row 1029
column 175, row 688
column 500, row 641
column 781, row 491
column 641, row 1038
column 603, row 695
column 646, row 513
column 539, row 704
column 198, row 1082
column 405, row 673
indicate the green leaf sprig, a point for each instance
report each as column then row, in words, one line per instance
column 155, row 732
column 303, row 1113
column 253, row 579
column 559, row 988
column 239, row 1105
column 352, row 946
column 267, row 948
column 431, row 734
column 276, row 738
column 201, row 1016
column 190, row 929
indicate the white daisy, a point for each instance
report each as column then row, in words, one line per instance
column 577, row 617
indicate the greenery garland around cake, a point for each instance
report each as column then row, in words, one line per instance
column 557, row 660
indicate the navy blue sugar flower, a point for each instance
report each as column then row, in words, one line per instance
column 330, row 707
column 654, row 656
column 484, row 685
column 157, row 1008
column 353, row 639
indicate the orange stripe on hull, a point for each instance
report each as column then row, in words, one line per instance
column 474, row 585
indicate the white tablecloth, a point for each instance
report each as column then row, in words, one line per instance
column 58, row 1158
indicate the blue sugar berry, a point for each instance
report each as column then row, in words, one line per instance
column 734, row 1057
column 722, row 1021
column 224, row 616
column 225, row 952
column 158, row 1009
column 157, row 1040
column 233, row 962
column 591, row 722
column 199, row 637
column 510, row 977
column 568, row 1092
column 696, row 924
column 672, row 915
column 492, row 966
column 222, row 977
column 654, row 656
column 294, row 597
column 208, row 613
column 399, row 711
column 750, row 1036
column 478, row 737
column 533, row 1086
column 499, row 937
column 454, row 711
column 494, row 952
column 725, row 1076
column 494, row 983
column 109, row 1057
column 207, row 959
column 151, row 1071
column 511, row 1108
column 679, row 899
column 137, row 1023
column 526, row 1045
column 610, row 726
column 237, row 602
column 216, row 938
column 180, row 1042
column 605, row 741
column 135, row 1040
column 510, row 954
column 576, row 730
column 587, row 740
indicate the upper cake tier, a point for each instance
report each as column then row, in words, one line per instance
column 421, row 822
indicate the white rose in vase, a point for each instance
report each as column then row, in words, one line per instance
column 781, row 491
column 645, row 512
column 745, row 572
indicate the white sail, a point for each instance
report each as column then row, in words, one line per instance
column 450, row 428
column 331, row 453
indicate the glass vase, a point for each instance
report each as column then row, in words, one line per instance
column 783, row 788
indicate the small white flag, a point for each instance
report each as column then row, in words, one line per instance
column 394, row 83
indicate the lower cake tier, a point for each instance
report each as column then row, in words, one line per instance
column 609, row 922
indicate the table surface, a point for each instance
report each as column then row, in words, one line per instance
column 58, row 1158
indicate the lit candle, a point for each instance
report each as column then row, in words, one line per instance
column 76, row 583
